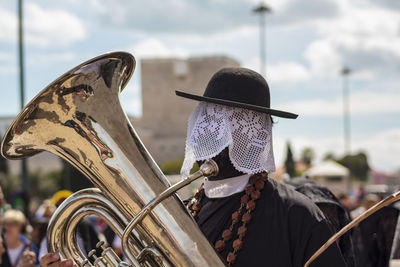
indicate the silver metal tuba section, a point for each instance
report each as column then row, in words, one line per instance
column 79, row 118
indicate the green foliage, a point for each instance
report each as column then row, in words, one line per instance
column 307, row 155
column 72, row 179
column 329, row 156
column 289, row 162
column 9, row 184
column 3, row 165
column 43, row 186
column 357, row 164
column 174, row 167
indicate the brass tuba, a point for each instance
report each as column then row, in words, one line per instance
column 79, row 118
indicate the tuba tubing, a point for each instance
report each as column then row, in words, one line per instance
column 79, row 118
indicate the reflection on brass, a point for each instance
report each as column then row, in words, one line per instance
column 79, row 118
column 383, row 203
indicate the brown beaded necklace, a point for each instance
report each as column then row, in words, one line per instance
column 243, row 214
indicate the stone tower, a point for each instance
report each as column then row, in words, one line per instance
column 162, row 127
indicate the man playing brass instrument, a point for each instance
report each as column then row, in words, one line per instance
column 250, row 219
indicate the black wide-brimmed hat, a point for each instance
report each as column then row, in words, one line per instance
column 239, row 87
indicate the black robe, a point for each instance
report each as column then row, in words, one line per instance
column 337, row 217
column 377, row 232
column 285, row 230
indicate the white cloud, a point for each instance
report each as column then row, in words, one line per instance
column 287, row 72
column 8, row 25
column 153, row 47
column 7, row 63
column 361, row 103
column 207, row 16
column 52, row 26
column 184, row 45
column 50, row 58
column 43, row 27
column 323, row 58
column 364, row 37
column 131, row 100
column 282, row 72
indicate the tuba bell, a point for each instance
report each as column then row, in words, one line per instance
column 79, row 118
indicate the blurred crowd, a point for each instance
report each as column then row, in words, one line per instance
column 374, row 242
column 23, row 238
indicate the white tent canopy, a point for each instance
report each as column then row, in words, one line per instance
column 328, row 168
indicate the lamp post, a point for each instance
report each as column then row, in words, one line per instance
column 345, row 72
column 262, row 9
column 24, row 169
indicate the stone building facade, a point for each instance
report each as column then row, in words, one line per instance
column 162, row 126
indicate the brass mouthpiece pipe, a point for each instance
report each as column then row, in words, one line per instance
column 208, row 169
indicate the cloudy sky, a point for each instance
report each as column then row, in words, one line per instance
column 308, row 43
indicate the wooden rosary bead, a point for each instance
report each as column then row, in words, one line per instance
column 246, row 218
column 249, row 190
column 264, row 176
column 248, row 201
column 242, row 231
column 196, row 207
column 220, row 245
column 259, row 185
column 227, row 235
column 237, row 244
column 255, row 195
column 244, row 199
column 197, row 195
column 253, row 179
column 231, row 258
column 236, row 216
column 251, row 205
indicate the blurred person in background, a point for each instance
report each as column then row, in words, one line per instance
column 345, row 200
column 40, row 223
column 366, row 202
column 360, row 194
column 87, row 236
column 3, row 203
column 19, row 251
column 377, row 235
column 2, row 249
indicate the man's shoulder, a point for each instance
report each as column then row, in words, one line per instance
column 295, row 203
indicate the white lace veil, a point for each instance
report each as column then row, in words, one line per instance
column 247, row 133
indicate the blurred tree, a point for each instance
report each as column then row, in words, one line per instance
column 357, row 164
column 72, row 179
column 174, row 167
column 289, row 162
column 307, row 155
column 43, row 186
column 3, row 165
column 9, row 183
column 329, row 156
